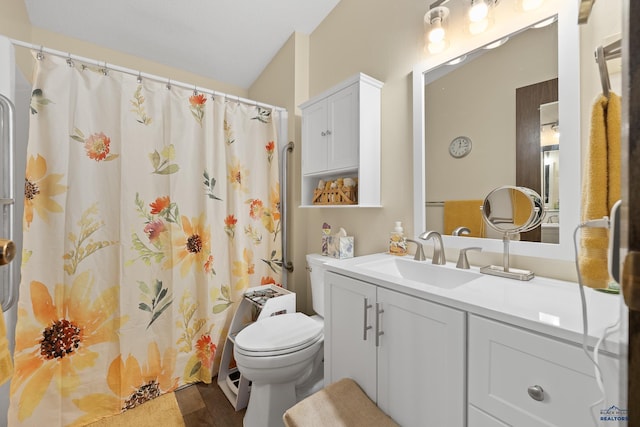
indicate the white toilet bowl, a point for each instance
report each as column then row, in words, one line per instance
column 280, row 355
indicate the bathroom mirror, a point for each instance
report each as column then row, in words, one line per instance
column 568, row 113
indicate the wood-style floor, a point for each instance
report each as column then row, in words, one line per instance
column 205, row 405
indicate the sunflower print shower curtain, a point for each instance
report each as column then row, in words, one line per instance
column 149, row 209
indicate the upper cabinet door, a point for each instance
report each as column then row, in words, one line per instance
column 343, row 118
column 314, row 135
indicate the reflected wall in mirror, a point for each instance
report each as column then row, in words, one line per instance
column 492, row 98
column 453, row 182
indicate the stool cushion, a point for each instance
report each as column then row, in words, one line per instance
column 341, row 404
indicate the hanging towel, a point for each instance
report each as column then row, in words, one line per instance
column 6, row 365
column 601, row 188
column 464, row 213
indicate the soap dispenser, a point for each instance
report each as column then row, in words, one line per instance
column 397, row 241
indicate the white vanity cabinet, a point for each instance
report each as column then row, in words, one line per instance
column 341, row 138
column 521, row 378
column 406, row 353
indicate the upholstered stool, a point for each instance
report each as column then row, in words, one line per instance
column 341, row 404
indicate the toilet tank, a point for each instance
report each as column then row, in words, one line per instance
column 316, row 265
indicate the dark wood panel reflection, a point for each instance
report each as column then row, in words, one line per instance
column 528, row 101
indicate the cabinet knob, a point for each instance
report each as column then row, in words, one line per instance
column 536, row 392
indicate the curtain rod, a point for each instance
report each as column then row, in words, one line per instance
column 140, row 74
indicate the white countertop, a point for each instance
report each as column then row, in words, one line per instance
column 543, row 305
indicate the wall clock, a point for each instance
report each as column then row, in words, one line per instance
column 460, row 147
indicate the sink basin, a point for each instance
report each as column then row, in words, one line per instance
column 420, row 271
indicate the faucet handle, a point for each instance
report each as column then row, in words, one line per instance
column 419, row 256
column 463, row 262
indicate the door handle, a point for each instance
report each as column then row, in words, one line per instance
column 379, row 333
column 7, row 251
column 367, row 306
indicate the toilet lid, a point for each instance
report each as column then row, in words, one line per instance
column 281, row 333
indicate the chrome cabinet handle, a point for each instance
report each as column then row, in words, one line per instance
column 536, row 392
column 379, row 311
column 367, row 306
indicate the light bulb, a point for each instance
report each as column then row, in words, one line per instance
column 478, row 11
column 528, row 5
column 436, row 34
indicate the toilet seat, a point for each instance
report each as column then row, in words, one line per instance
column 278, row 335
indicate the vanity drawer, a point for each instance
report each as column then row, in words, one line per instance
column 507, row 364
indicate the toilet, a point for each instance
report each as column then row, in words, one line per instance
column 283, row 356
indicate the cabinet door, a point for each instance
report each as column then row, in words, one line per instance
column 349, row 348
column 505, row 362
column 343, row 117
column 314, row 135
column 421, row 361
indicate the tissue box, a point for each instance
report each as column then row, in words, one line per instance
column 337, row 247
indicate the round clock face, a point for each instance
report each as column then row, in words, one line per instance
column 460, row 147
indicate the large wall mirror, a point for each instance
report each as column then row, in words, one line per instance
column 511, row 104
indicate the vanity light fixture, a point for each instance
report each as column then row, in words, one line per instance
column 435, row 21
column 496, row 43
column 479, row 15
column 546, row 22
column 458, row 60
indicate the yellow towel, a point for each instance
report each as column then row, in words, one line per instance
column 463, row 213
column 601, row 188
column 521, row 205
column 6, row 365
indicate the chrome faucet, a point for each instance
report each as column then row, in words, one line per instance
column 461, row 231
column 419, row 256
column 438, row 246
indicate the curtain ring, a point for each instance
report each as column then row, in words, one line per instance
column 105, row 69
column 195, row 91
column 69, row 61
column 168, row 84
column 40, row 55
column 139, row 79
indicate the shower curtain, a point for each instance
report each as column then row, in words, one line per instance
column 149, row 209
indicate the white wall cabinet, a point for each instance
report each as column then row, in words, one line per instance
column 406, row 353
column 517, row 377
column 341, row 138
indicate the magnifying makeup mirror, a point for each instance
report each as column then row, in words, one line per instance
column 511, row 210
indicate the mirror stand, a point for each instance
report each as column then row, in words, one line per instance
column 511, row 210
column 505, row 270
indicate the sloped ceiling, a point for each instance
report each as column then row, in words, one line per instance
column 231, row 41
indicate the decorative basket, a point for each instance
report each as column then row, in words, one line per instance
column 336, row 196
